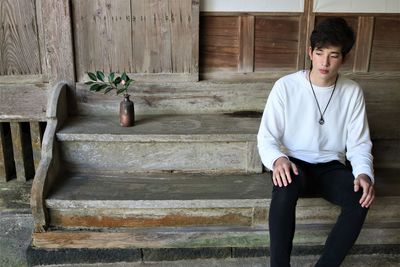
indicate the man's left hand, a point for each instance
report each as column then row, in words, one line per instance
column 368, row 195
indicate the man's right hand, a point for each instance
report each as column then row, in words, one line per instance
column 281, row 173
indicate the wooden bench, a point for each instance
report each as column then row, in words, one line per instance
column 29, row 118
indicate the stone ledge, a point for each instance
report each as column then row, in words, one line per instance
column 38, row 256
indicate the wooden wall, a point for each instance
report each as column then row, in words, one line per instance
column 137, row 36
column 276, row 42
column 20, row 38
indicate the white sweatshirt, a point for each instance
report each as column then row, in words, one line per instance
column 290, row 124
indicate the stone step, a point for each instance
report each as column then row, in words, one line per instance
column 155, row 200
column 203, row 237
column 163, row 143
column 85, row 200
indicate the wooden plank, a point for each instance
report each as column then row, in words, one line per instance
column 19, row 46
column 180, row 21
column 219, row 43
column 3, row 154
column 152, row 35
column 303, row 34
column 41, row 41
column 173, row 98
column 363, row 44
column 195, row 38
column 221, row 237
column 57, row 18
column 23, row 102
column 310, row 27
column 36, row 140
column 385, row 52
column 22, row 150
column 16, row 133
column 276, row 43
column 246, row 33
column 169, row 217
column 7, row 164
column 103, row 39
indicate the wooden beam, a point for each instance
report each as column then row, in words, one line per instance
column 56, row 16
column 22, row 150
column 363, row 44
column 36, row 139
column 6, row 155
column 246, row 35
column 22, row 102
column 195, row 39
column 303, row 35
column 16, row 133
column 308, row 10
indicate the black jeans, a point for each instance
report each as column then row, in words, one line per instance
column 335, row 182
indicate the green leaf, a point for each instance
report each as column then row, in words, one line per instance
column 111, row 77
column 121, row 91
column 108, row 89
column 89, row 83
column 92, row 76
column 94, row 87
column 117, row 81
column 101, row 87
column 128, row 83
column 100, row 75
column 124, row 77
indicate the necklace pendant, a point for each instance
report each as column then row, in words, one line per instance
column 321, row 121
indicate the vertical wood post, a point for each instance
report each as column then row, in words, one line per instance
column 246, row 33
column 56, row 16
column 7, row 165
column 16, row 133
column 36, row 139
column 22, row 150
column 3, row 156
column 195, row 39
column 308, row 12
column 363, row 44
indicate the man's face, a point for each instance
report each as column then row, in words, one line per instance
column 326, row 62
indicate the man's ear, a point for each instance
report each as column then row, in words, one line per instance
column 310, row 52
column 344, row 58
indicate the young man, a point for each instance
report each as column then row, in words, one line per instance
column 313, row 120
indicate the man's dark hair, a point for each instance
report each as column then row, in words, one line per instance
column 333, row 31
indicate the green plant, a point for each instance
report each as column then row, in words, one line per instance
column 98, row 82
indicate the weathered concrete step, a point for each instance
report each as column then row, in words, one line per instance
column 188, row 143
column 178, row 200
column 200, row 237
column 148, row 200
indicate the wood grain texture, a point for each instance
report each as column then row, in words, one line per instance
column 102, row 35
column 219, row 43
column 246, row 57
column 276, row 43
column 23, row 102
column 36, row 140
column 19, row 157
column 19, row 43
column 152, row 35
column 385, row 52
column 181, row 27
column 363, row 44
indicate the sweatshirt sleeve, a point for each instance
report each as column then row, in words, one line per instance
column 271, row 128
column 359, row 143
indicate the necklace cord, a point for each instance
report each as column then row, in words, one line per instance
column 322, row 121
